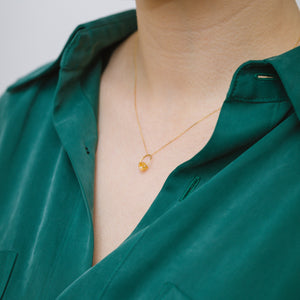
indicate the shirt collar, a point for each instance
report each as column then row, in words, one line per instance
column 89, row 39
column 286, row 66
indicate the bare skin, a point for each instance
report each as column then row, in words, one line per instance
column 187, row 53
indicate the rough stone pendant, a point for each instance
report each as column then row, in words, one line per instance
column 142, row 165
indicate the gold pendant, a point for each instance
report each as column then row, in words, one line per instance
column 142, row 165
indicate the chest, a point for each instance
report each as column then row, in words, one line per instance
column 123, row 193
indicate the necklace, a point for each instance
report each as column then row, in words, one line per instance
column 142, row 165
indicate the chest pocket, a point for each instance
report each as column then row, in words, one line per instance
column 191, row 187
column 7, row 262
column 169, row 291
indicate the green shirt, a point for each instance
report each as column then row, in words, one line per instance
column 225, row 224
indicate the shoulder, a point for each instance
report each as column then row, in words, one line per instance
column 74, row 73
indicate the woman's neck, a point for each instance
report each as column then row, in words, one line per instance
column 188, row 49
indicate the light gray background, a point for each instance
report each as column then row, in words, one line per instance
column 33, row 32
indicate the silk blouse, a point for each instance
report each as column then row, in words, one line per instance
column 225, row 224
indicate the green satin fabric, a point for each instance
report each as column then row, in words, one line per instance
column 225, row 224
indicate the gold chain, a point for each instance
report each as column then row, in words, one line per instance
column 142, row 165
